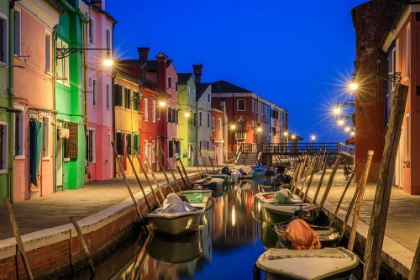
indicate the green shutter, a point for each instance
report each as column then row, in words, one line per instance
column 137, row 143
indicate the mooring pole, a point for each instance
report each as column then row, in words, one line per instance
column 147, row 177
column 84, row 246
column 138, row 181
column 154, row 177
column 163, row 170
column 170, row 169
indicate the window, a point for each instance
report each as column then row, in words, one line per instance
column 136, row 100
column 240, row 105
column 118, row 143
column 137, row 143
column 208, row 120
column 153, row 152
column 118, row 95
column 108, row 39
column 146, row 110
column 3, row 147
column 71, row 144
column 62, row 66
column 91, row 31
column 145, row 150
column 171, row 149
column 212, row 123
column 127, row 98
column 208, row 97
column 107, row 96
column 154, row 111
column 200, row 120
column 219, row 125
column 3, row 39
column 18, row 32
column 90, row 146
column 48, row 52
column 19, row 133
column 169, row 82
column 128, row 143
column 408, row 51
column 158, row 113
column 46, row 138
column 189, row 92
column 94, row 94
column 193, row 120
column 176, row 85
column 194, row 96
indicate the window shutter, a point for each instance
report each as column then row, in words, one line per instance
column 72, row 142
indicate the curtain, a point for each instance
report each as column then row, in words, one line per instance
column 36, row 135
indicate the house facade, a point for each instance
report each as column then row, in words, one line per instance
column 34, row 159
column 98, row 109
column 401, row 45
column 204, row 130
column 187, row 119
column 217, row 140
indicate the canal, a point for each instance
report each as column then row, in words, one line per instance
column 226, row 246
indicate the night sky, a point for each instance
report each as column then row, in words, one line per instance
column 297, row 54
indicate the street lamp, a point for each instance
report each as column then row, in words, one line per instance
column 65, row 52
column 390, row 77
column 313, row 137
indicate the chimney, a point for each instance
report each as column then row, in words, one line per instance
column 100, row 4
column 143, row 53
column 198, row 70
column 161, row 71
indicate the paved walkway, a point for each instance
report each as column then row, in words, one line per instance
column 402, row 230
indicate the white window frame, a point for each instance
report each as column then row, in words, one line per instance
column 5, row 27
column 48, row 51
column 94, row 93
column 4, row 139
column 92, row 148
column 152, row 152
column 19, row 125
column 146, row 110
column 18, row 32
column 219, row 123
column 213, row 124
column 145, row 150
column 63, row 66
column 46, row 120
column 154, row 111
column 237, row 105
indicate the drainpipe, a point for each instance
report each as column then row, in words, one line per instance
column 11, row 115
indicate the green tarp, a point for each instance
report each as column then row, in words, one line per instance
column 36, row 133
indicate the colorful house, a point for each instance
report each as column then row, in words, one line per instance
column 204, row 130
column 34, row 124
column 69, row 140
column 187, row 121
column 217, row 140
column 98, row 109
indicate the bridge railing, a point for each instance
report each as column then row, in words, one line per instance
column 297, row 148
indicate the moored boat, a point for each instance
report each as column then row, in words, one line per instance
column 199, row 198
column 211, row 183
column 175, row 216
column 258, row 170
column 326, row 263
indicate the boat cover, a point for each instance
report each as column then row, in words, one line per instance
column 283, row 196
column 301, row 235
column 172, row 204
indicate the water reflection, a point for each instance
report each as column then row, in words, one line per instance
column 229, row 235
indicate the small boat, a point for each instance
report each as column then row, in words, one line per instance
column 166, row 248
column 210, row 183
column 265, row 208
column 328, row 236
column 258, row 170
column 326, row 263
column 175, row 216
column 198, row 198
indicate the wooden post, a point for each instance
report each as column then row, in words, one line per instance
column 125, row 181
column 415, row 267
column 295, row 177
column 342, row 196
column 154, row 177
column 182, row 178
column 147, row 178
column 377, row 223
column 185, row 172
column 211, row 162
column 163, row 170
column 170, row 169
column 205, row 166
column 321, row 180
column 308, row 170
column 18, row 239
column 310, row 178
column 329, row 184
column 84, row 246
column 359, row 200
column 141, row 186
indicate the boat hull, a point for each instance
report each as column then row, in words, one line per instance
column 176, row 223
column 327, row 263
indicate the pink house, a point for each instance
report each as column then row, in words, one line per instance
column 33, row 61
column 98, row 93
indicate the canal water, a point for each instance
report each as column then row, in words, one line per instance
column 227, row 245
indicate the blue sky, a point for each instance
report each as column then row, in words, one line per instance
column 294, row 53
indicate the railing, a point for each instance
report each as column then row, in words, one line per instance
column 296, row 148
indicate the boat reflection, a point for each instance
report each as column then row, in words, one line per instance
column 228, row 226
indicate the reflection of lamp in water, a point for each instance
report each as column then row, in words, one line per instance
column 233, row 216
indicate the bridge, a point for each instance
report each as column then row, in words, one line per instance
column 263, row 153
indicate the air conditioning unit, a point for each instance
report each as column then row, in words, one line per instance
column 63, row 133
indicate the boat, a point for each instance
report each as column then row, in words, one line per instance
column 175, row 216
column 258, row 170
column 265, row 208
column 211, row 183
column 328, row 236
column 198, row 198
column 166, row 248
column 325, row 263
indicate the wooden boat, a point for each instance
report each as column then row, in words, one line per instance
column 175, row 216
column 199, row 198
column 326, row 263
column 210, row 183
column 166, row 248
column 266, row 210
column 328, row 236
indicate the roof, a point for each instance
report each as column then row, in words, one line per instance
column 201, row 89
column 184, row 77
column 152, row 65
column 127, row 77
column 225, row 87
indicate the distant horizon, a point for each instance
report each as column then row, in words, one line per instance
column 299, row 59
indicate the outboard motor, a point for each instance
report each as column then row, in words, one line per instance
column 226, row 170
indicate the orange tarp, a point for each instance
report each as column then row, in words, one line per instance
column 301, row 235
